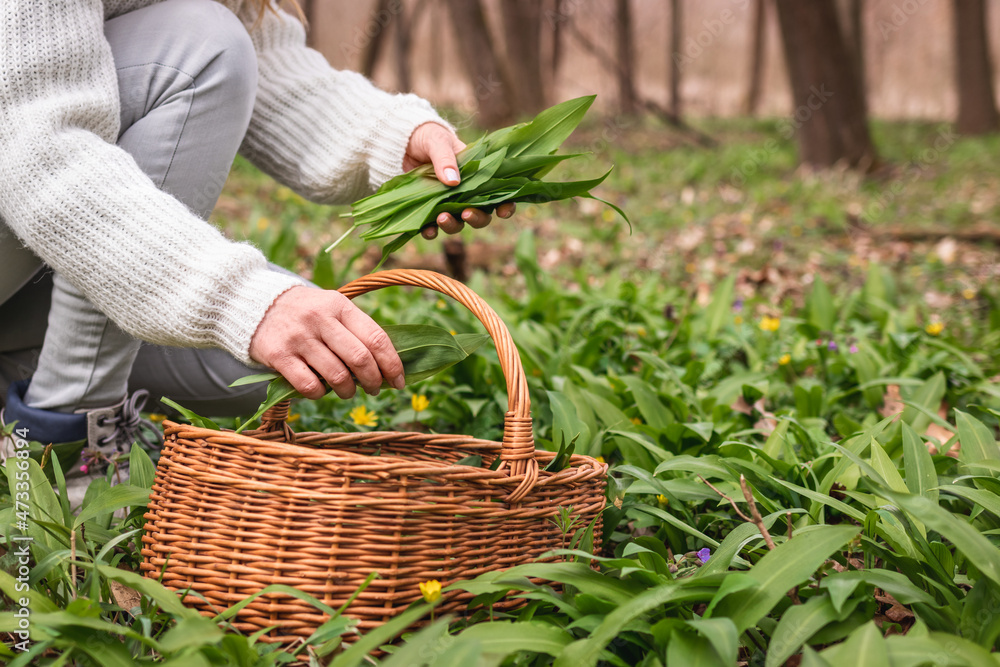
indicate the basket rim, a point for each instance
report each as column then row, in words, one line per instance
column 579, row 467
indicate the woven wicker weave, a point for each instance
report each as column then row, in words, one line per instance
column 230, row 514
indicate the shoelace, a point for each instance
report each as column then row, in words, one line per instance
column 129, row 425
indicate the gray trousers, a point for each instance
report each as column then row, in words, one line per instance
column 187, row 75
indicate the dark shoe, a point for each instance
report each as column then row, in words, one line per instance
column 87, row 442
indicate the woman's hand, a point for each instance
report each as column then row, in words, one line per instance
column 308, row 334
column 438, row 145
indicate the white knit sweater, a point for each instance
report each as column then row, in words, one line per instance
column 83, row 205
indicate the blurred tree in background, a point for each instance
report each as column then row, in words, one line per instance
column 830, row 117
column 977, row 110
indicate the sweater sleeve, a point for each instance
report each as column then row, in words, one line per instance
column 85, row 207
column 330, row 135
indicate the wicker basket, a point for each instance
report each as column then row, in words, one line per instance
column 230, row 514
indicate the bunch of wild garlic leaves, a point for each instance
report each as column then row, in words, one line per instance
column 505, row 165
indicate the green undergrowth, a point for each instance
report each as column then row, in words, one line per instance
column 860, row 417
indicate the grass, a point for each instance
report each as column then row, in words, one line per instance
column 755, row 358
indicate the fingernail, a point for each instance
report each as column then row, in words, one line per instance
column 466, row 215
column 450, row 175
column 443, row 218
column 398, row 382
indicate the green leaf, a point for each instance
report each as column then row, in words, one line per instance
column 921, row 477
column 427, row 350
column 585, row 652
column 38, row 602
column 735, row 540
column 142, row 471
column 254, row 379
column 976, row 548
column 357, row 654
column 988, row 500
column 115, row 498
column 566, row 423
column 978, row 443
column 790, row 564
column 650, row 406
column 505, row 638
column 797, row 625
column 278, row 390
column 191, row 416
column 546, row 132
column 691, row 650
column 721, row 633
column 821, row 311
column 929, row 396
column 864, row 647
column 191, row 632
column 394, row 245
column 886, row 468
column 720, row 309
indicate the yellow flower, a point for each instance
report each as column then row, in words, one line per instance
column 636, row 421
column 969, row 294
column 419, row 402
column 738, row 320
column 362, row 416
column 431, row 590
column 263, row 224
column 452, row 332
column 768, row 323
column 600, row 459
column 156, row 418
column 441, row 304
column 294, row 417
column 641, row 331
column 935, row 328
column 785, row 359
column 662, row 499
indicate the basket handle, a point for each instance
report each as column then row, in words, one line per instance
column 518, row 451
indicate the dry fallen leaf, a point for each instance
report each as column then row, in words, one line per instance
column 125, row 597
column 892, row 402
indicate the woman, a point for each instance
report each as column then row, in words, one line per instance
column 119, row 121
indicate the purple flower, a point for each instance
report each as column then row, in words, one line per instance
column 84, row 468
column 853, row 349
column 704, row 555
column 738, row 305
column 832, row 346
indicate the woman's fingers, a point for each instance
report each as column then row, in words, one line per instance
column 308, row 331
column 448, row 224
column 506, row 209
column 477, row 219
column 376, row 358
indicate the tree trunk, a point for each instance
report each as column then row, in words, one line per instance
column 673, row 55
column 829, row 118
column 851, row 12
column 556, row 20
column 977, row 110
column 373, row 47
column 522, row 21
column 489, row 81
column 752, row 100
column 628, row 100
column 403, row 26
